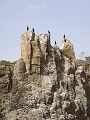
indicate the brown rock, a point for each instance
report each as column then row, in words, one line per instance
column 53, row 87
column 5, row 79
column 68, row 49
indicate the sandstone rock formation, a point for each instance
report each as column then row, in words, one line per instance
column 46, row 84
column 5, row 79
column 68, row 48
column 5, row 88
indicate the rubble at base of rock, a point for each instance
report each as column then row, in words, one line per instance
column 46, row 84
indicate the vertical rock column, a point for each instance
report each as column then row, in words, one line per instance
column 17, row 83
column 35, row 60
column 26, row 39
column 68, row 49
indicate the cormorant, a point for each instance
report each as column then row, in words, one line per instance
column 55, row 43
column 27, row 28
column 49, row 32
column 33, row 29
column 64, row 36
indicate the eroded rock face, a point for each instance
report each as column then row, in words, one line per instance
column 68, row 48
column 26, row 39
column 53, row 88
column 5, row 79
column 5, row 87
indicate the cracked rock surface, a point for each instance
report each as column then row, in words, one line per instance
column 54, row 87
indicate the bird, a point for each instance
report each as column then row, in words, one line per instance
column 64, row 36
column 33, row 29
column 55, row 43
column 27, row 28
column 49, row 32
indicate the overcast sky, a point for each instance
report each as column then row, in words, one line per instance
column 69, row 17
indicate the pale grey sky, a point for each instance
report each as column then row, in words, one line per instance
column 69, row 17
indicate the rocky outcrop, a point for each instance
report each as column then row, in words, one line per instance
column 5, row 89
column 5, row 79
column 68, row 49
column 48, row 85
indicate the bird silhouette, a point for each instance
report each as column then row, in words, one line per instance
column 27, row 28
column 64, row 36
column 49, row 32
column 33, row 29
column 55, row 43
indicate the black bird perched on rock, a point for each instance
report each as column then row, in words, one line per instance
column 49, row 32
column 55, row 43
column 64, row 36
column 33, row 29
column 27, row 28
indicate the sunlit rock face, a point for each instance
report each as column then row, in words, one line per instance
column 26, row 39
column 46, row 84
column 68, row 48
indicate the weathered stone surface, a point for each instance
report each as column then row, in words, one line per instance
column 68, row 48
column 5, row 79
column 26, row 39
column 53, row 87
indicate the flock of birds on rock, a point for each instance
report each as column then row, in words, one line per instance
column 48, row 33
